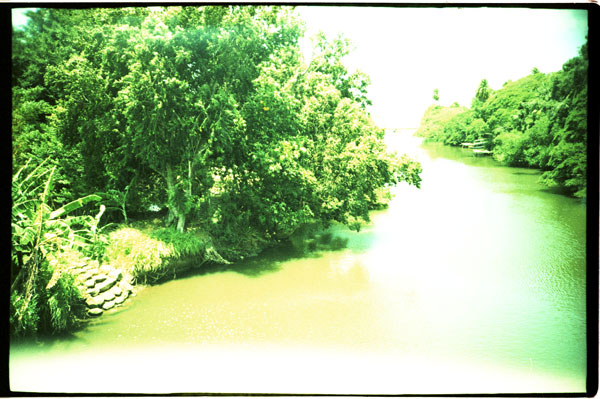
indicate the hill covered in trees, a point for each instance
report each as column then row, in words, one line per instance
column 538, row 121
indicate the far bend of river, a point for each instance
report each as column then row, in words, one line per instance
column 474, row 283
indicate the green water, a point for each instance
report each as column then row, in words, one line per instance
column 474, row 283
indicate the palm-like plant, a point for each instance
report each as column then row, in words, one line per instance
column 41, row 293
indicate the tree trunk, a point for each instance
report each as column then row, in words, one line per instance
column 170, row 216
column 190, row 178
column 124, row 203
column 173, row 211
column 181, row 223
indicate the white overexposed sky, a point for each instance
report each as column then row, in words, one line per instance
column 18, row 16
column 408, row 52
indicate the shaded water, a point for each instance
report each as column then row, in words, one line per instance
column 474, row 283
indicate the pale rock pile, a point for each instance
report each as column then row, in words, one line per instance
column 102, row 287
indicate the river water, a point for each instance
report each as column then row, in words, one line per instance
column 474, row 283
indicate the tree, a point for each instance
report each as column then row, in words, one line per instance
column 436, row 95
column 64, row 65
column 568, row 156
column 183, row 96
column 307, row 137
column 483, row 91
column 209, row 110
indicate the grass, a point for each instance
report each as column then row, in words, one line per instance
column 148, row 255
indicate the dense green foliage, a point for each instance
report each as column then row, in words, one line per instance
column 175, row 106
column 538, row 121
column 44, row 241
column 438, row 121
column 209, row 113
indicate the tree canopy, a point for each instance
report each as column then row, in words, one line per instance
column 210, row 112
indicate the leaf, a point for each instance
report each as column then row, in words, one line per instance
column 71, row 206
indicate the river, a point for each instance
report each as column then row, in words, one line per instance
column 474, row 283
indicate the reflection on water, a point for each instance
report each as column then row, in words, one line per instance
column 475, row 283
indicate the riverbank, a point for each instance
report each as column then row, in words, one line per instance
column 145, row 253
column 137, row 255
column 102, row 287
column 538, row 121
column 494, row 152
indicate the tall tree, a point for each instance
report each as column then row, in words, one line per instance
column 483, row 91
column 183, row 94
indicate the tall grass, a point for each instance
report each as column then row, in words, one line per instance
column 148, row 256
